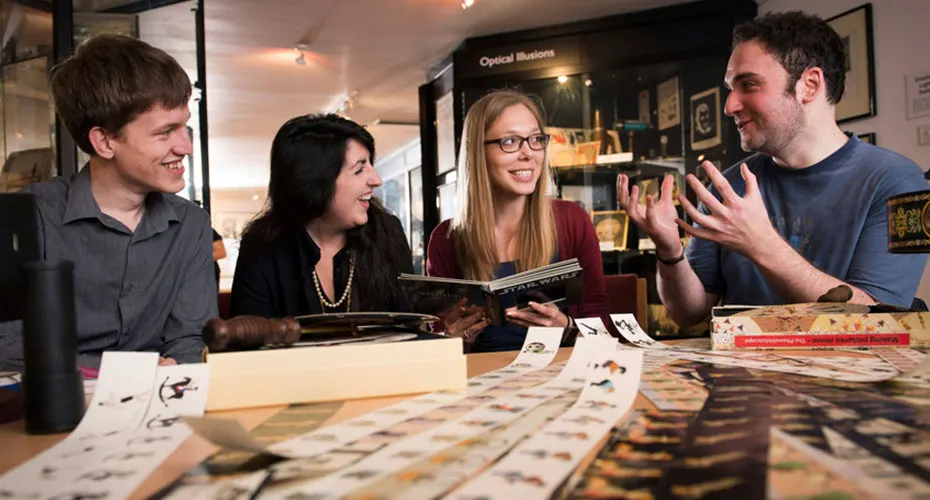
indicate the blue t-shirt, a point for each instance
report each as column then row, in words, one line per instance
column 833, row 214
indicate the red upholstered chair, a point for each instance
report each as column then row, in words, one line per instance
column 626, row 293
column 223, row 304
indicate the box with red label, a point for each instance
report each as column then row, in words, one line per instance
column 817, row 326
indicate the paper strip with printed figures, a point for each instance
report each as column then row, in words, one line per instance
column 231, row 470
column 132, row 424
column 435, row 475
column 588, row 327
column 398, row 455
column 610, row 388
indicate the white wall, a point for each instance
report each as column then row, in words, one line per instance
column 901, row 38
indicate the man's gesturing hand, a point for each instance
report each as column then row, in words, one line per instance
column 739, row 223
column 656, row 218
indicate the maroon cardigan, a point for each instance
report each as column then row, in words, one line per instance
column 576, row 239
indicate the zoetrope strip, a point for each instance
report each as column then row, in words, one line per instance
column 537, row 466
column 132, row 424
column 435, row 476
column 591, row 327
column 399, row 455
column 242, row 472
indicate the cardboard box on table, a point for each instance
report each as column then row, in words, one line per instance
column 268, row 377
column 817, row 326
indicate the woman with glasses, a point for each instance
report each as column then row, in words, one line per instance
column 507, row 223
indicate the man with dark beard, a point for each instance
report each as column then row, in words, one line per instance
column 806, row 212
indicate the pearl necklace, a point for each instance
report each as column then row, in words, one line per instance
column 345, row 293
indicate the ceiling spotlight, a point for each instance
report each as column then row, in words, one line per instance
column 587, row 82
column 299, row 49
column 467, row 3
column 562, row 78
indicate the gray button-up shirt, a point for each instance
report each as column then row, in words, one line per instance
column 148, row 290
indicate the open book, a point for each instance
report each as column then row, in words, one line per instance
column 559, row 283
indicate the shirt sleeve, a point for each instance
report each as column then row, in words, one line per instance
column 194, row 305
column 888, row 278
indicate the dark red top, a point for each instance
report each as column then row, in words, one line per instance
column 576, row 239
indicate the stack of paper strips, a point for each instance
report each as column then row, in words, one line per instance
column 817, row 326
column 268, row 377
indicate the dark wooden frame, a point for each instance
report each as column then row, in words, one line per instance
column 870, row 63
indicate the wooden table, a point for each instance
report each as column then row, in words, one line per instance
column 19, row 447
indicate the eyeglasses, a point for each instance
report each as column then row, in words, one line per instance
column 513, row 143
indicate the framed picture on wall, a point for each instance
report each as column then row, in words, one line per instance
column 668, row 104
column 869, row 138
column 611, row 227
column 705, row 119
column 855, row 29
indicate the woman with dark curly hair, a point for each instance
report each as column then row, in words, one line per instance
column 323, row 243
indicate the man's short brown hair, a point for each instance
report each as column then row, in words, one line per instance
column 110, row 80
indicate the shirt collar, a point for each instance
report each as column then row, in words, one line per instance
column 82, row 205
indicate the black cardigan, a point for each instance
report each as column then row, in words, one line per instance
column 277, row 280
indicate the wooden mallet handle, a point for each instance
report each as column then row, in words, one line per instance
column 249, row 332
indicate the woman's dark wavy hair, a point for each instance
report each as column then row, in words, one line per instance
column 799, row 41
column 307, row 155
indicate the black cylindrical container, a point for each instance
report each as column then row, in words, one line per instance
column 52, row 382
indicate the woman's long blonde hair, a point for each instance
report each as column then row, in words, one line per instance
column 473, row 225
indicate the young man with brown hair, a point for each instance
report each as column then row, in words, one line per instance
column 143, row 265
column 806, row 212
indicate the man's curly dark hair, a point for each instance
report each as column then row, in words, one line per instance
column 799, row 41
